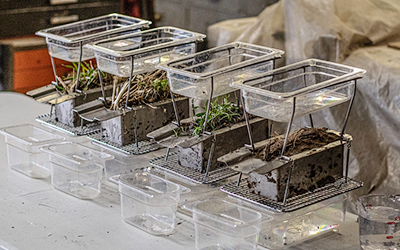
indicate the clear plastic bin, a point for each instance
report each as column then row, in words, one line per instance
column 379, row 221
column 292, row 228
column 313, row 84
column 149, row 202
column 23, row 144
column 191, row 76
column 64, row 41
column 144, row 50
column 193, row 191
column 121, row 164
column 220, row 224
column 77, row 169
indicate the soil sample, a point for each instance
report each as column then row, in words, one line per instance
column 152, row 108
column 227, row 139
column 89, row 84
column 317, row 155
column 226, row 123
column 143, row 119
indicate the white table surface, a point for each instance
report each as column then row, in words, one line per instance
column 33, row 215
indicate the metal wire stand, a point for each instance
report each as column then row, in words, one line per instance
column 171, row 165
column 50, row 121
column 137, row 148
column 341, row 186
column 289, row 126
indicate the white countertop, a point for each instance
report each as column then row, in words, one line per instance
column 33, row 215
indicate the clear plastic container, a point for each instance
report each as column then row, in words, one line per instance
column 313, row 84
column 23, row 144
column 291, row 228
column 379, row 221
column 149, row 202
column 77, row 169
column 144, row 50
column 220, row 224
column 121, row 164
column 64, row 41
column 191, row 76
column 193, row 191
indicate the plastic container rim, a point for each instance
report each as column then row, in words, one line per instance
column 177, row 190
column 46, row 32
column 222, row 220
column 58, row 138
column 99, row 168
column 99, row 49
column 78, row 162
column 274, row 54
column 356, row 74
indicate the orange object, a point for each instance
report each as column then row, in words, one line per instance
column 33, row 69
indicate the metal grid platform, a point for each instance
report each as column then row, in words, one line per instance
column 341, row 186
column 171, row 165
column 50, row 120
column 143, row 147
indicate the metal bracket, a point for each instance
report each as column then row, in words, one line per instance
column 209, row 104
column 210, row 155
column 79, row 65
column 288, row 128
column 349, row 108
column 130, row 82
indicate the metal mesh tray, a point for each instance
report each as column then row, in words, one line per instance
column 50, row 120
column 341, row 186
column 171, row 165
column 142, row 147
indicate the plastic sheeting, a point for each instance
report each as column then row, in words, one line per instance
column 352, row 32
column 227, row 31
column 374, row 121
column 313, row 27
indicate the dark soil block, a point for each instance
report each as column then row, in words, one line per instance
column 317, row 156
column 64, row 111
column 144, row 119
column 226, row 140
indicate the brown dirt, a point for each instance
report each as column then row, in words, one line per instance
column 299, row 141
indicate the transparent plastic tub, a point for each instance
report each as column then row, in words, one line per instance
column 149, row 202
column 379, row 221
column 64, row 41
column 192, row 75
column 144, row 50
column 193, row 191
column 220, row 224
column 77, row 169
column 121, row 164
column 291, row 228
column 313, row 84
column 23, row 143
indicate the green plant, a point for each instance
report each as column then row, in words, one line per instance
column 160, row 85
column 88, row 78
column 220, row 115
column 145, row 88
